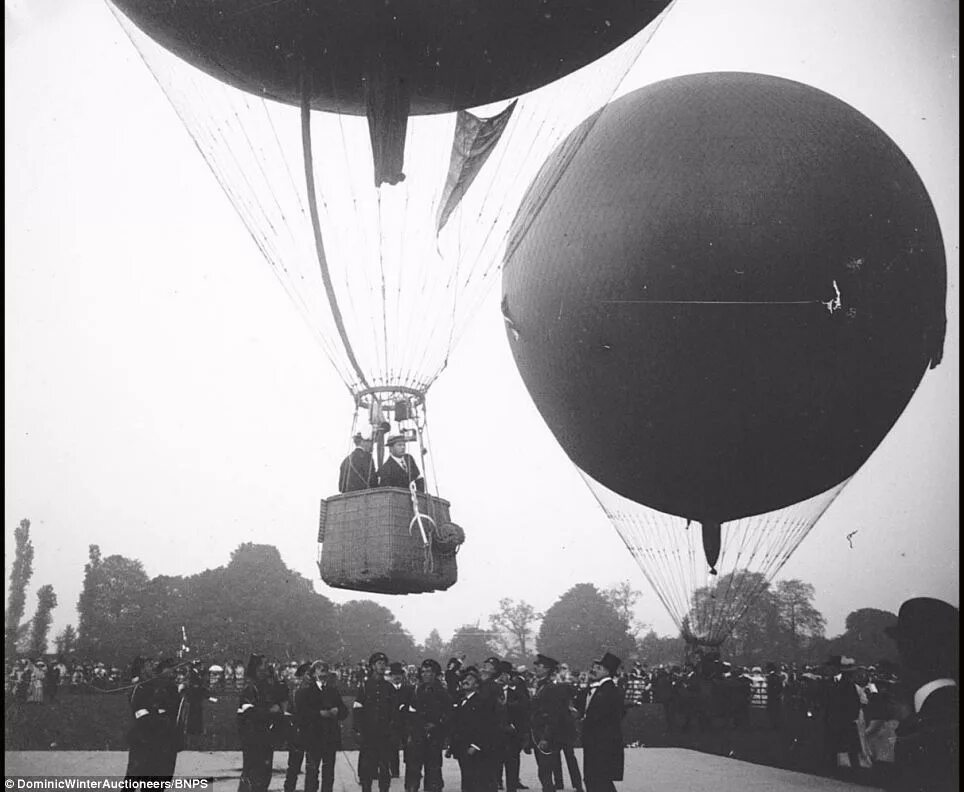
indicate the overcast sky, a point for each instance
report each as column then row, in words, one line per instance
column 165, row 401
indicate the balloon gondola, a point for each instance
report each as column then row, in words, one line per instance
column 720, row 309
column 296, row 105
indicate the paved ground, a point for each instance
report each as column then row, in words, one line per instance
column 671, row 769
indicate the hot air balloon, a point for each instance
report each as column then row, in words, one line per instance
column 296, row 106
column 720, row 307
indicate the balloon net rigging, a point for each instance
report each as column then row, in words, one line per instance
column 669, row 551
column 386, row 292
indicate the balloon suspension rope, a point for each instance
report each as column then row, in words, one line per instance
column 417, row 519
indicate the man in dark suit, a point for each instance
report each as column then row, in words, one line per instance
column 319, row 710
column 473, row 734
column 602, row 735
column 358, row 468
column 399, row 470
column 516, row 696
column 154, row 738
column 375, row 723
column 927, row 752
column 551, row 722
column 426, row 727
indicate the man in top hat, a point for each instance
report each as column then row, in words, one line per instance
column 552, row 725
column 602, row 737
column 403, row 693
column 399, row 470
column 426, row 721
column 296, row 747
column 374, row 722
column 927, row 753
column 474, row 734
column 357, row 470
column 319, row 710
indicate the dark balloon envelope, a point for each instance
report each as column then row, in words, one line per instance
column 448, row 55
column 673, row 295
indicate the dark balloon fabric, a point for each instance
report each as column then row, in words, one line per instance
column 671, row 303
column 446, row 55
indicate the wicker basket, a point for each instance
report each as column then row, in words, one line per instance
column 367, row 545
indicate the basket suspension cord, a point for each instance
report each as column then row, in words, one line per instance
column 419, row 518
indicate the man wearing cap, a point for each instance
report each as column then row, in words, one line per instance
column 551, row 721
column 374, row 722
column 491, row 692
column 927, row 752
column 319, row 710
column 153, row 738
column 426, row 720
column 258, row 714
column 602, row 736
column 516, row 697
column 357, row 470
column 473, row 734
column 399, row 470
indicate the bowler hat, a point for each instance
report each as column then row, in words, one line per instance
column 504, row 667
column 927, row 621
column 547, row 662
column 610, row 662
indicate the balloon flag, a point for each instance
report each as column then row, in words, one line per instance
column 725, row 301
column 294, row 105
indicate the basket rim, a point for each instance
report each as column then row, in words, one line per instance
column 379, row 492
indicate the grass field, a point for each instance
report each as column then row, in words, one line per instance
column 99, row 722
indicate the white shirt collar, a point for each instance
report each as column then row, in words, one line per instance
column 925, row 690
column 400, row 461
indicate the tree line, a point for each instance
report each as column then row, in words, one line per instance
column 255, row 602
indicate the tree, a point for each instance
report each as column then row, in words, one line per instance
column 435, row 647
column 19, row 578
column 366, row 627
column 623, row 597
column 474, row 642
column 864, row 638
column 512, row 626
column 66, row 641
column 800, row 621
column 581, row 625
column 657, row 650
column 40, row 624
column 110, row 606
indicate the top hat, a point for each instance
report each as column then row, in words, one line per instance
column 396, row 668
column 610, row 662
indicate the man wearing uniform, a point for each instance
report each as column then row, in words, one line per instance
column 400, row 468
column 491, row 691
column 473, row 734
column 319, row 710
column 515, row 694
column 426, row 721
column 551, row 721
column 602, row 736
column 154, row 739
column 258, row 715
column 375, row 716
column 358, row 468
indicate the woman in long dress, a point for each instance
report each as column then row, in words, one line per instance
column 35, row 695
